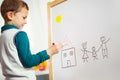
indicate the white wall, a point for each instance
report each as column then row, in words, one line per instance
column 37, row 25
column 36, row 28
column 1, row 20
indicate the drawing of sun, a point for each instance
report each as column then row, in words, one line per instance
column 58, row 19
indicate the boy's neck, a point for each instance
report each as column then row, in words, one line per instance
column 9, row 22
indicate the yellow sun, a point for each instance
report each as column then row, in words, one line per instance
column 58, row 18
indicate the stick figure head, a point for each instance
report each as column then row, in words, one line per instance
column 102, row 38
column 84, row 45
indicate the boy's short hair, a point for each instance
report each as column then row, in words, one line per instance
column 11, row 5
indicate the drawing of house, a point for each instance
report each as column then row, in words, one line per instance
column 68, row 57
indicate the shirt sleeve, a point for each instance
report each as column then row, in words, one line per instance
column 28, row 59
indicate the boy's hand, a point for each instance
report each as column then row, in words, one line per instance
column 54, row 49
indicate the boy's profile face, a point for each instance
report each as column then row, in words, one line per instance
column 19, row 18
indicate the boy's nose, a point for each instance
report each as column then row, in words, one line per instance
column 25, row 22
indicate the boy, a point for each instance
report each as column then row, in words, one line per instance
column 16, row 58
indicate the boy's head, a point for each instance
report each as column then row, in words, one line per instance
column 14, row 12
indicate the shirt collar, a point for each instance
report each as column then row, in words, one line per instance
column 8, row 26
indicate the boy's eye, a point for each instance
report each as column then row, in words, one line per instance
column 24, row 17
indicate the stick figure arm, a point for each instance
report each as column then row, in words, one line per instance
column 99, row 48
column 89, row 51
column 107, row 40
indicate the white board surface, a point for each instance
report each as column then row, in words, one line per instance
column 90, row 30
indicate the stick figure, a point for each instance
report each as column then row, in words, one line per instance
column 103, row 46
column 85, row 51
column 94, row 53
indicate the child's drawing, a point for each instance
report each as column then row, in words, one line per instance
column 103, row 46
column 85, row 52
column 94, row 53
column 67, row 42
column 68, row 57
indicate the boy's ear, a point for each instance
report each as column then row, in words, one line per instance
column 10, row 15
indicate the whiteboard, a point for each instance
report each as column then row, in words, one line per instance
column 90, row 32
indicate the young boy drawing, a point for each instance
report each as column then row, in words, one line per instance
column 15, row 55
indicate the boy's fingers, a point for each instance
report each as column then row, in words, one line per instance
column 59, row 46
